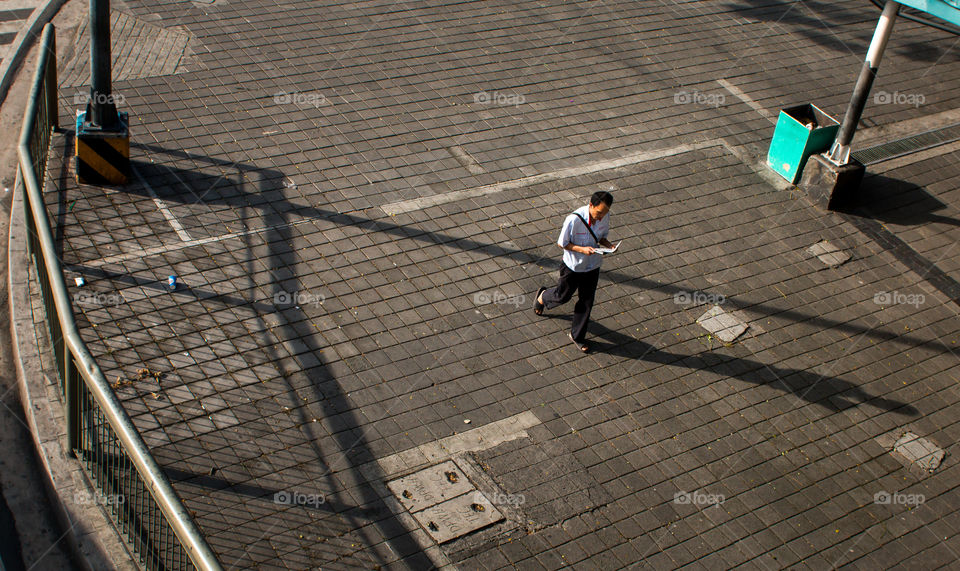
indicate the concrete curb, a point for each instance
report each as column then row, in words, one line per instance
column 21, row 44
column 91, row 535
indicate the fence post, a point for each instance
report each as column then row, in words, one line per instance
column 28, row 224
column 72, row 379
column 51, row 81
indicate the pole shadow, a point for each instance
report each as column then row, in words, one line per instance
column 896, row 201
column 310, row 390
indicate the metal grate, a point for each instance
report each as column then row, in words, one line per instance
column 908, row 145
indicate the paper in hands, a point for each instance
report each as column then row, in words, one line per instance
column 607, row 250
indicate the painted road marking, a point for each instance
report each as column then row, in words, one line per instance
column 628, row 160
column 739, row 94
column 162, row 206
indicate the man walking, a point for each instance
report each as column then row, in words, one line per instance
column 583, row 231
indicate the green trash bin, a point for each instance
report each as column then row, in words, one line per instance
column 801, row 131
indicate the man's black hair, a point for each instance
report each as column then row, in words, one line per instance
column 601, row 196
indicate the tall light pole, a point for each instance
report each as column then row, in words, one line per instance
column 103, row 136
column 832, row 179
column 840, row 151
column 101, row 109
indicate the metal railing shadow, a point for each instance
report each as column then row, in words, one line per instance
column 147, row 512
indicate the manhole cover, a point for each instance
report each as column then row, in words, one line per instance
column 444, row 501
column 456, row 517
column 430, row 486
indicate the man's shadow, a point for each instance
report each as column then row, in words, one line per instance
column 832, row 393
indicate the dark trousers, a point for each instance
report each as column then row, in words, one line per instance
column 585, row 284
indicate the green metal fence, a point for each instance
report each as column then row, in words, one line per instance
column 145, row 508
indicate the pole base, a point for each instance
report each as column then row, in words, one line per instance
column 831, row 186
column 103, row 157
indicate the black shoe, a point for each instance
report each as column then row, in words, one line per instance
column 582, row 345
column 537, row 306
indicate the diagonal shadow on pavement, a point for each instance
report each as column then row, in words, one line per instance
column 237, row 200
column 898, row 202
column 268, row 206
column 287, row 326
column 883, row 200
column 830, row 392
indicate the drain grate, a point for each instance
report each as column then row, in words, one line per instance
column 908, row 145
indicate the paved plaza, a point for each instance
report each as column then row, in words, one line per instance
column 360, row 201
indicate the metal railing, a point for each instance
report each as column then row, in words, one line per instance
column 146, row 510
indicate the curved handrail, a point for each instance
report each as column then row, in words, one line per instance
column 159, row 486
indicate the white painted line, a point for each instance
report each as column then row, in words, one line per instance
column 480, row 438
column 199, row 242
column 628, row 160
column 739, row 94
column 174, row 222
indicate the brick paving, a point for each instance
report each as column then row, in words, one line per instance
column 315, row 336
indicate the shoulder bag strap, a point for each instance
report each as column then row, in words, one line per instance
column 577, row 214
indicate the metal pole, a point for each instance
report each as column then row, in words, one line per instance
column 51, row 79
column 72, row 393
column 840, row 151
column 101, row 111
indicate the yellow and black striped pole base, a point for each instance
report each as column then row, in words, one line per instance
column 103, row 157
